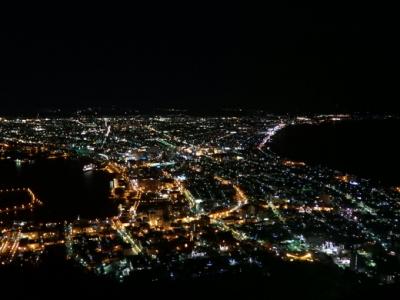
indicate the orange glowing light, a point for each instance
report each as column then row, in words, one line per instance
column 305, row 257
column 290, row 163
column 344, row 178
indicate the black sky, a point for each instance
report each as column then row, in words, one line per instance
column 280, row 58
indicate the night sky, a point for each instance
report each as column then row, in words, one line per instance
column 285, row 58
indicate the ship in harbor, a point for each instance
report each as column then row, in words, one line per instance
column 88, row 167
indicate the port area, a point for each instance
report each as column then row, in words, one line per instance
column 17, row 199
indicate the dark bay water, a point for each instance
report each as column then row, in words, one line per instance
column 368, row 148
column 62, row 186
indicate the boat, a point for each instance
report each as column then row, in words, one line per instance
column 88, row 167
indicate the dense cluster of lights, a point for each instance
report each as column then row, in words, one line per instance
column 192, row 189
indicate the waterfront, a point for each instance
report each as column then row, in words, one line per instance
column 65, row 190
column 367, row 148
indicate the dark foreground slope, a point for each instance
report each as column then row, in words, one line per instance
column 56, row 279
